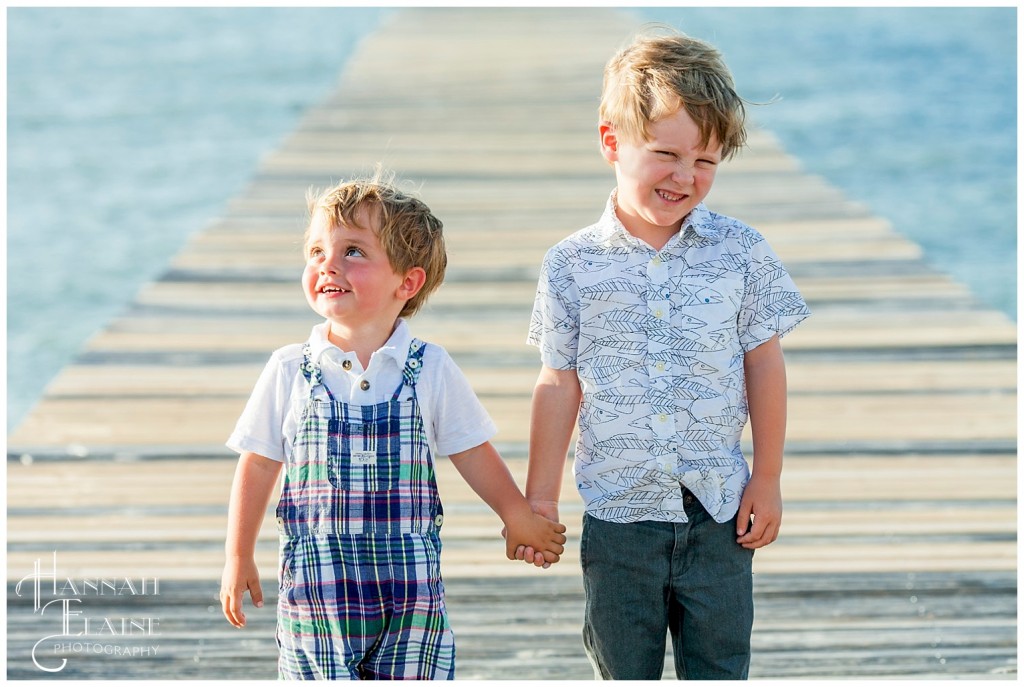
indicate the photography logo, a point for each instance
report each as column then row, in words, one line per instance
column 61, row 604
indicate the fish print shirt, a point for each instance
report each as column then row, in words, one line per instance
column 657, row 339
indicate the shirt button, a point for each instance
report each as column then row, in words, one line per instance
column 657, row 313
column 438, row 520
column 663, row 418
column 656, row 260
column 661, row 367
column 364, row 385
column 346, row 364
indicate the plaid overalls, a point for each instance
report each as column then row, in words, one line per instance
column 361, row 594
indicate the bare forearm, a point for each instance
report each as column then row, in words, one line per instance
column 765, row 372
column 487, row 475
column 556, row 404
column 255, row 478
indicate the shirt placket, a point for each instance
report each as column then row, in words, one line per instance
column 659, row 368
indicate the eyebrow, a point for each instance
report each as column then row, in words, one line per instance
column 350, row 240
column 654, row 144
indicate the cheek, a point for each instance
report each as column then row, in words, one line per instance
column 309, row 277
column 705, row 179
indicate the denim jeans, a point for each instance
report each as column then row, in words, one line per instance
column 645, row 578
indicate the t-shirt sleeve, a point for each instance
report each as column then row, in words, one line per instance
column 555, row 323
column 772, row 305
column 459, row 420
column 260, row 429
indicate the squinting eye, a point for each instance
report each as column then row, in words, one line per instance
column 315, row 252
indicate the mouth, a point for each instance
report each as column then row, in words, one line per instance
column 670, row 197
column 332, row 289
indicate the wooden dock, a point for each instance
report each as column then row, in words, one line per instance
column 899, row 549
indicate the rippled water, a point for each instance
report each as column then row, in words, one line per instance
column 129, row 128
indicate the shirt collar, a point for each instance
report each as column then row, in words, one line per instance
column 396, row 347
column 699, row 220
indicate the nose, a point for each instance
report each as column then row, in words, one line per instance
column 327, row 265
column 684, row 173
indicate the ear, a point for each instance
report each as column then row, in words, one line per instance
column 411, row 284
column 609, row 142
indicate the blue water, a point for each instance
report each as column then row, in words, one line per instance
column 128, row 129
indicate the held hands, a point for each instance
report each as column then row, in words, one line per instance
column 533, row 532
column 548, row 509
column 762, row 499
column 240, row 574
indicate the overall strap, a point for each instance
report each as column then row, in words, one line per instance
column 312, row 372
column 413, row 365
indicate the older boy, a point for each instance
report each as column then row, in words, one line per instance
column 659, row 326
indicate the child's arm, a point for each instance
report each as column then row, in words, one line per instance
column 556, row 404
column 255, row 478
column 486, row 473
column 765, row 371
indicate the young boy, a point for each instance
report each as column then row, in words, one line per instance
column 355, row 416
column 659, row 326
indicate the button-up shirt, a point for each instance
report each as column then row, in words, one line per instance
column 657, row 339
column 454, row 418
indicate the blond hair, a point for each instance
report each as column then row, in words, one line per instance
column 656, row 75
column 406, row 228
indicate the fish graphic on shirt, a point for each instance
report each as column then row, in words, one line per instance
column 621, row 320
column 687, row 295
column 605, row 369
column 631, row 442
column 629, row 344
column 681, row 362
column 610, row 289
column 623, row 477
column 728, row 264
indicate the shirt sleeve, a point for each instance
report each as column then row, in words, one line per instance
column 771, row 305
column 458, row 419
column 260, row 429
column 555, row 323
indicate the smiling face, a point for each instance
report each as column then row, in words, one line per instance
column 348, row 278
column 659, row 181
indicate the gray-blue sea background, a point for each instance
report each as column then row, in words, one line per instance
column 128, row 129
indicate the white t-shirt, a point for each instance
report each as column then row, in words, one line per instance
column 454, row 419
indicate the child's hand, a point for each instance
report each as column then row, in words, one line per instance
column 240, row 574
column 762, row 499
column 537, row 533
column 549, row 509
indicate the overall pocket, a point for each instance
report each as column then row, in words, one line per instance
column 362, row 457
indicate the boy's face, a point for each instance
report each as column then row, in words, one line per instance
column 348, row 278
column 660, row 180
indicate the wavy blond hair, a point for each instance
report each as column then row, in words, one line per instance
column 664, row 70
column 408, row 231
